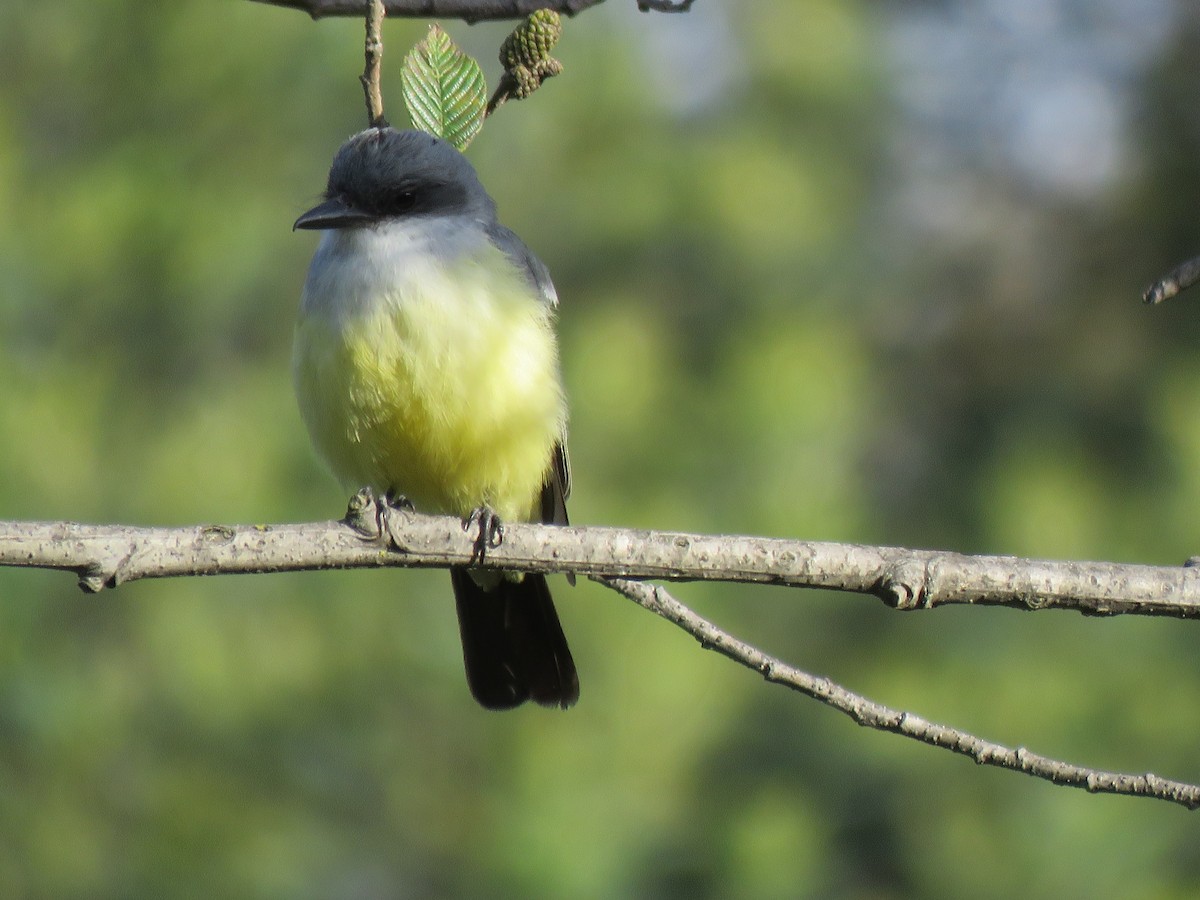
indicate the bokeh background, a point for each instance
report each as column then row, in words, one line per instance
column 838, row 270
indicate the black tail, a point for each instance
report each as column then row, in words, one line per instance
column 513, row 645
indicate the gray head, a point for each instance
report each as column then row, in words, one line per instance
column 382, row 174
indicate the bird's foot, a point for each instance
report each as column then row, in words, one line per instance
column 394, row 505
column 362, row 514
column 491, row 531
column 373, row 518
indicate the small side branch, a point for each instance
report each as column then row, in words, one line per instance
column 467, row 10
column 875, row 715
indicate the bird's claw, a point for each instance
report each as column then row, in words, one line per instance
column 395, row 500
column 491, row 531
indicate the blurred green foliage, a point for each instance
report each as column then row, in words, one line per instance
column 756, row 338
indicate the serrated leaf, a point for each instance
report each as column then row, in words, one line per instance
column 443, row 89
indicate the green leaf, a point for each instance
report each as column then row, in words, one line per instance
column 443, row 89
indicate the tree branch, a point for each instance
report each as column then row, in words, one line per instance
column 670, row 6
column 875, row 715
column 373, row 536
column 107, row 555
column 1178, row 279
column 468, row 10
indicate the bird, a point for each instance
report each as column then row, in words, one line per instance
column 425, row 366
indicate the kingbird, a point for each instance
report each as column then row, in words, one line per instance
column 426, row 368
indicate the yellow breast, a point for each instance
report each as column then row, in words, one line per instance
column 443, row 386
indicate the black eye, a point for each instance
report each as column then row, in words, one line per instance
column 400, row 200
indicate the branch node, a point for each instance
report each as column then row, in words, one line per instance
column 98, row 576
column 1033, row 602
column 93, row 580
column 217, row 534
column 904, row 586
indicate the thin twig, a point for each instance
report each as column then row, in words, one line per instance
column 106, row 555
column 875, row 715
column 373, row 53
column 1178, row 279
column 504, row 89
column 467, row 10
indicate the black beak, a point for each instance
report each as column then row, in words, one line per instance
column 333, row 213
